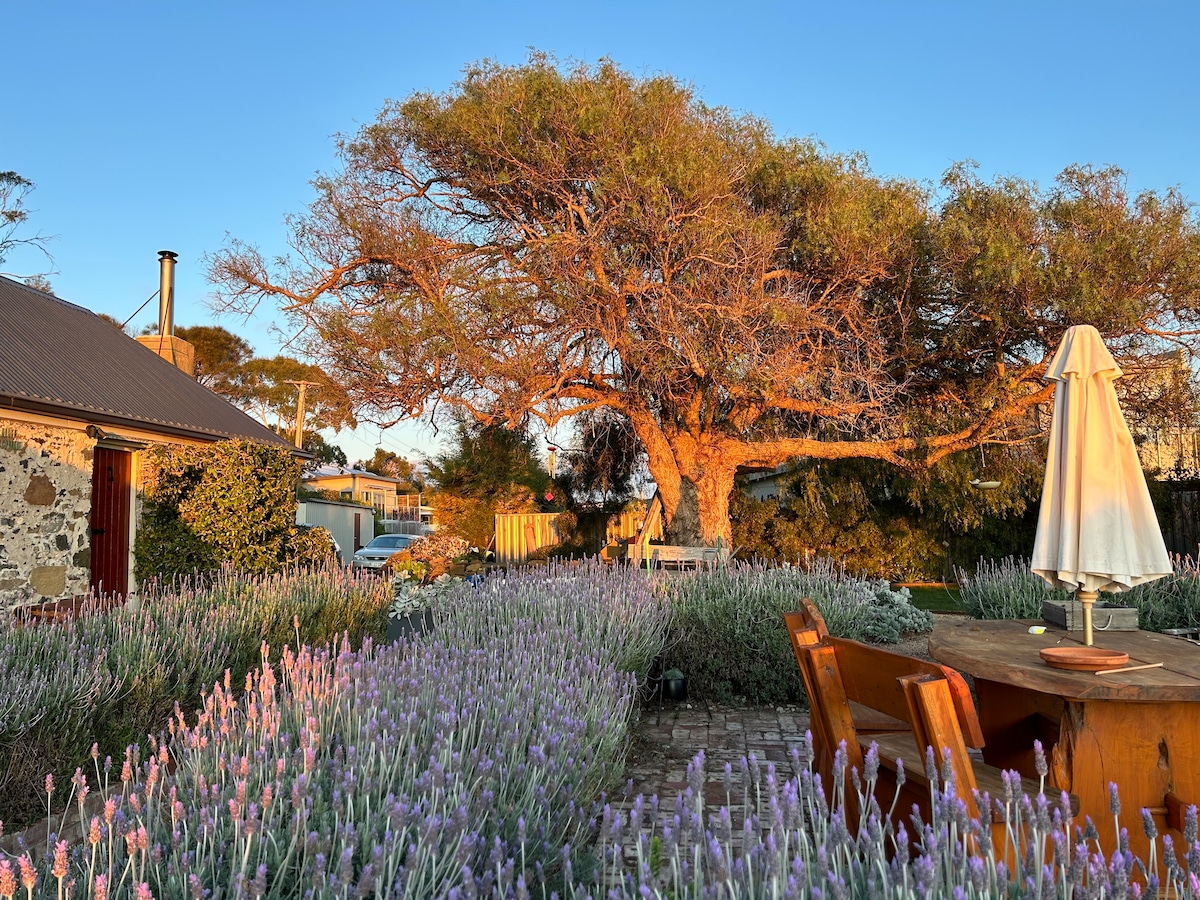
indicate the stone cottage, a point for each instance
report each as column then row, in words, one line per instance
column 79, row 401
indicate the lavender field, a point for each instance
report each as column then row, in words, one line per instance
column 476, row 761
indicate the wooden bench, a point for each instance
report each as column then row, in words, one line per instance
column 860, row 694
column 677, row 557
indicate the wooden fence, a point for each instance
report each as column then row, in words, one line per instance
column 518, row 534
column 1181, row 532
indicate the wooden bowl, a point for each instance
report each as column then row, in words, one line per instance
column 1083, row 659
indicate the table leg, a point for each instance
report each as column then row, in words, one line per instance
column 1011, row 719
column 1147, row 749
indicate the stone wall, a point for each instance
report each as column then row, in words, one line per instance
column 45, row 500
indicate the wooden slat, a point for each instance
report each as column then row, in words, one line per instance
column 833, row 710
column 868, row 720
column 935, row 724
column 810, row 615
column 807, row 627
column 989, row 779
column 1176, row 810
column 871, row 679
column 517, row 534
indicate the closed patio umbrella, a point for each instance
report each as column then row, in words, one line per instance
column 1096, row 526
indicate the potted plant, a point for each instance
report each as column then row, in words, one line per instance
column 410, row 614
column 674, row 685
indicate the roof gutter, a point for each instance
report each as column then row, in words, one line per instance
column 113, row 441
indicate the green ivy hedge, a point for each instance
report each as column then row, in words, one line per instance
column 230, row 503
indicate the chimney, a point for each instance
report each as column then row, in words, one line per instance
column 166, row 292
column 175, row 350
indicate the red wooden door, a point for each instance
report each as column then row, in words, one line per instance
column 111, row 471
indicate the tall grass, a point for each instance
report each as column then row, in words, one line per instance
column 794, row 841
column 465, row 765
column 344, row 777
column 1005, row 589
column 1171, row 602
column 461, row 764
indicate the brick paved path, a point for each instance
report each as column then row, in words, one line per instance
column 658, row 760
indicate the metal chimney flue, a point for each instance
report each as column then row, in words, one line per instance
column 166, row 292
column 175, row 350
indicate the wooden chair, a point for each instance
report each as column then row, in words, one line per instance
column 860, row 694
column 806, row 627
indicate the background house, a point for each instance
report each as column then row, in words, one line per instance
column 768, row 484
column 396, row 512
column 79, row 401
column 377, row 491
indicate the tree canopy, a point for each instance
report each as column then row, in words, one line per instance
column 605, row 461
column 221, row 357
column 386, row 462
column 264, row 387
column 544, row 240
column 486, row 470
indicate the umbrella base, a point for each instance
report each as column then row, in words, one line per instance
column 1105, row 616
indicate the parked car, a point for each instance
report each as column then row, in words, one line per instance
column 376, row 554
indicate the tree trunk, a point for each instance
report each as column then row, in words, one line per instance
column 694, row 480
column 702, row 517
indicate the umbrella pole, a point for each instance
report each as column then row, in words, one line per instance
column 1087, row 598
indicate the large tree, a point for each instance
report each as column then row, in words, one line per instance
column 271, row 393
column 266, row 389
column 606, row 460
column 487, row 470
column 545, row 241
column 221, row 356
column 387, row 462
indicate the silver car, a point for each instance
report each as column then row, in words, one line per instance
column 376, row 554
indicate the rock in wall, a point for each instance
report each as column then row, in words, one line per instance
column 45, row 500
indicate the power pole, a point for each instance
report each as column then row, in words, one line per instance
column 301, row 385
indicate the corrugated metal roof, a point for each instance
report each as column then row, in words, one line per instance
column 56, row 357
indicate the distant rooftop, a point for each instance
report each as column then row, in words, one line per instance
column 332, row 470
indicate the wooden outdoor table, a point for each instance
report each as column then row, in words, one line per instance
column 1139, row 729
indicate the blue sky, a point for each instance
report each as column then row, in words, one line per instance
column 168, row 126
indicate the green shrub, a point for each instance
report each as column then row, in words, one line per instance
column 727, row 625
column 886, row 523
column 229, row 503
column 1006, row 589
column 312, row 545
column 1009, row 590
column 1171, row 602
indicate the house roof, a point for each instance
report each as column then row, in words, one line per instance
column 57, row 358
column 332, row 470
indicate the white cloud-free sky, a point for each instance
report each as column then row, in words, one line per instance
column 149, row 126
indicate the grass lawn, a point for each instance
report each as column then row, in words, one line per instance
column 937, row 598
